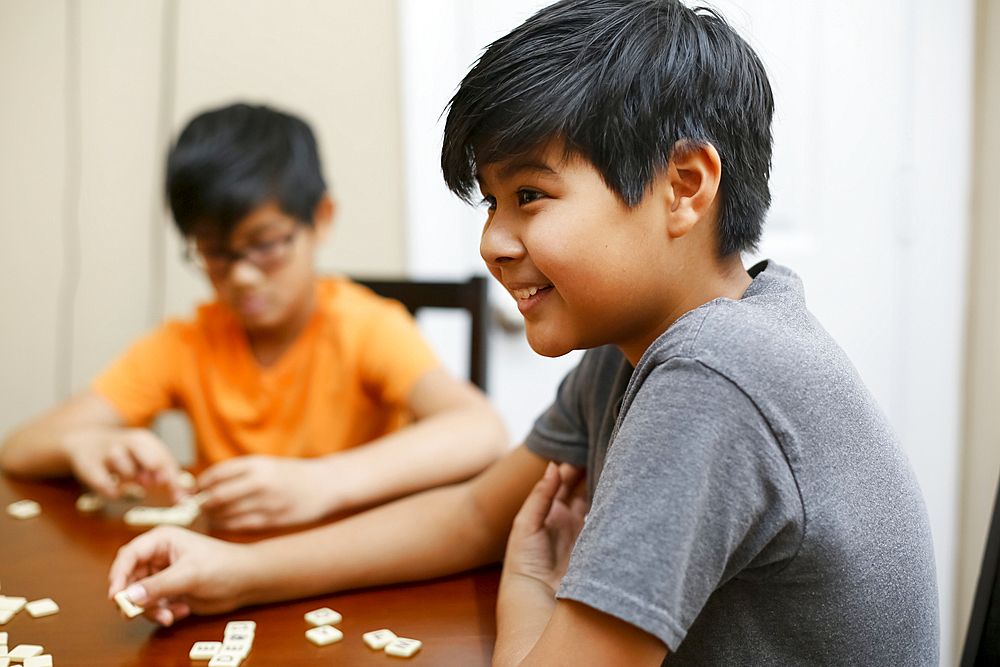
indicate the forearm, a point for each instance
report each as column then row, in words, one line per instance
column 424, row 536
column 43, row 446
column 524, row 608
column 35, row 450
column 441, row 449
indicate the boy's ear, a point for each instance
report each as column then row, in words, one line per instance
column 693, row 177
column 323, row 216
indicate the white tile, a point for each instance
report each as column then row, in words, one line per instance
column 402, row 647
column 11, row 603
column 6, row 615
column 39, row 661
column 3, row 637
column 24, row 509
column 324, row 616
column 378, row 639
column 241, row 627
column 238, row 637
column 89, row 502
column 3, row 650
column 324, row 634
column 43, row 607
column 4, row 661
column 125, row 603
column 23, row 651
column 225, row 660
column 204, row 650
column 241, row 648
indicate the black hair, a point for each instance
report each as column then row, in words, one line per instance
column 229, row 161
column 621, row 82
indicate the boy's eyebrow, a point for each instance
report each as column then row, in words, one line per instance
column 518, row 165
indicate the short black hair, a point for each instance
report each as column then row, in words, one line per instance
column 229, row 161
column 621, row 82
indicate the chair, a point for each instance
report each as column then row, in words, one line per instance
column 469, row 295
column 982, row 641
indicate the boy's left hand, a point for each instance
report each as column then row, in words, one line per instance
column 545, row 530
column 259, row 492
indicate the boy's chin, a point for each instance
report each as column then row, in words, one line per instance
column 256, row 322
column 548, row 347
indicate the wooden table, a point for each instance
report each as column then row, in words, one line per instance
column 65, row 555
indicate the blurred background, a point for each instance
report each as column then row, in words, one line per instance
column 884, row 184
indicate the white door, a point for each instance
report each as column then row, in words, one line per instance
column 870, row 201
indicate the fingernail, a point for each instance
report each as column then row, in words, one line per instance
column 164, row 617
column 137, row 593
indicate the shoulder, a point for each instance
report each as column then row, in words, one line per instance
column 769, row 331
column 344, row 300
column 177, row 331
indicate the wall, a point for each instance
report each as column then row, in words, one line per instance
column 92, row 91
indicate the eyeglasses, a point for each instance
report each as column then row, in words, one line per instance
column 217, row 261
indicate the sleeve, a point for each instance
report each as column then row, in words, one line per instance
column 142, row 382
column 394, row 353
column 695, row 491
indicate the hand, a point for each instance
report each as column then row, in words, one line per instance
column 546, row 528
column 174, row 572
column 258, row 492
column 104, row 457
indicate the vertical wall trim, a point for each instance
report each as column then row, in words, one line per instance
column 156, row 304
column 66, row 306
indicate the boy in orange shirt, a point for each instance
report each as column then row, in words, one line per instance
column 285, row 374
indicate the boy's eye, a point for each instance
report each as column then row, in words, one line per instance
column 527, row 196
column 216, row 253
column 266, row 246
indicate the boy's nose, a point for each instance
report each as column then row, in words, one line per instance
column 244, row 272
column 500, row 243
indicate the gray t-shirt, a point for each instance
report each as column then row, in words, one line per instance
column 751, row 505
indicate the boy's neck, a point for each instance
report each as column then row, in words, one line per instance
column 267, row 345
column 726, row 278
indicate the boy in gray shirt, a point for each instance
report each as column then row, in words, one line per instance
column 749, row 503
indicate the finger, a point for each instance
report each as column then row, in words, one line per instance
column 94, row 474
column 231, row 491
column 168, row 614
column 141, row 556
column 255, row 502
column 162, row 615
column 175, row 580
column 153, row 456
column 570, row 478
column 243, row 521
column 578, row 511
column 120, row 461
column 222, row 471
column 536, row 506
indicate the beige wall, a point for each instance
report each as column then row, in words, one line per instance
column 143, row 69
column 981, row 459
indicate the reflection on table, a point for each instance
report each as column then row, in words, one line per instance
column 65, row 555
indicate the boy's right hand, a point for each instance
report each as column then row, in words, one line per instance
column 174, row 572
column 103, row 457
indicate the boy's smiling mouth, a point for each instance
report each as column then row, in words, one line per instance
column 527, row 292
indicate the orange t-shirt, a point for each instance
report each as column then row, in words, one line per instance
column 345, row 381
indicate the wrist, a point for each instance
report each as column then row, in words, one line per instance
column 255, row 576
column 524, row 607
column 341, row 484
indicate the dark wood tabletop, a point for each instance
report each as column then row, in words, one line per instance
column 65, row 555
